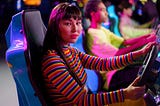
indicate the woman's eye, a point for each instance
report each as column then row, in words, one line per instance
column 68, row 23
column 79, row 23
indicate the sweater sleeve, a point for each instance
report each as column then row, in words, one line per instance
column 63, row 89
column 111, row 63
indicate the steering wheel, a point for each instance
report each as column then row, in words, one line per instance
column 146, row 72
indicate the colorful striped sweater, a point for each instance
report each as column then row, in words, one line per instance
column 63, row 89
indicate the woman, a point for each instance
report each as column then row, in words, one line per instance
column 63, row 66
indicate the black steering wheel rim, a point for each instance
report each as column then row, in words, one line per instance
column 146, row 67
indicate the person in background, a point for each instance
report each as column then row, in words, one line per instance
column 101, row 42
column 130, row 28
column 63, row 66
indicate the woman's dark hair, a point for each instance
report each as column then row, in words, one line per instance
column 60, row 12
column 124, row 4
column 91, row 6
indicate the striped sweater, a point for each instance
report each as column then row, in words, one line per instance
column 62, row 88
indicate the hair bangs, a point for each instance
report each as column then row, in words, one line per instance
column 72, row 12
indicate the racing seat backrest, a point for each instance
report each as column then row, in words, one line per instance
column 24, row 39
column 113, row 20
column 34, row 30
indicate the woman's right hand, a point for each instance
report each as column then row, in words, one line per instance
column 143, row 51
column 147, row 48
column 134, row 92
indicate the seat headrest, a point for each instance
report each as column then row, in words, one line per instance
column 34, row 26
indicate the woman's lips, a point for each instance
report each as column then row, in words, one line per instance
column 74, row 36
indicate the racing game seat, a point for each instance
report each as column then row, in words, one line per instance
column 114, row 20
column 24, row 38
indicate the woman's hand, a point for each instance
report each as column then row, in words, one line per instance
column 147, row 48
column 134, row 92
column 142, row 52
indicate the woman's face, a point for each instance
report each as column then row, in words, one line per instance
column 128, row 12
column 70, row 29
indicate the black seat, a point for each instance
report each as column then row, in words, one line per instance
column 34, row 30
